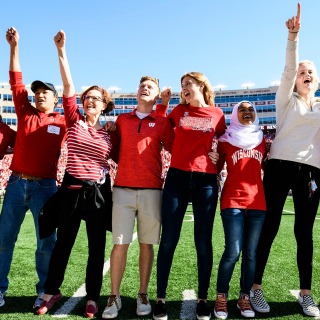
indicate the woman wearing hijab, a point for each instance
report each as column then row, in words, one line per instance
column 242, row 204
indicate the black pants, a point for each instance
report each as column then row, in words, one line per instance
column 279, row 177
column 66, row 235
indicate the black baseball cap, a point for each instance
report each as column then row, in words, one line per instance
column 36, row 84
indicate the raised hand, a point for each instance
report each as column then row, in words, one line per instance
column 60, row 39
column 12, row 36
column 293, row 24
column 165, row 96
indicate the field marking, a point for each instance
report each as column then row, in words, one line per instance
column 71, row 303
column 188, row 218
column 188, row 307
column 295, row 293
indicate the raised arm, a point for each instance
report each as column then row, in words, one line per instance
column 12, row 37
column 288, row 79
column 293, row 25
column 68, row 86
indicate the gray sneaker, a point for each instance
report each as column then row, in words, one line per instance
column 38, row 301
column 112, row 308
column 143, row 305
column 308, row 305
column 2, row 302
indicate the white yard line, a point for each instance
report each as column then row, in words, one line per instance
column 71, row 303
column 295, row 293
column 188, row 307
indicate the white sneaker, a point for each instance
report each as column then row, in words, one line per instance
column 2, row 302
column 112, row 308
column 308, row 305
column 38, row 301
column 143, row 305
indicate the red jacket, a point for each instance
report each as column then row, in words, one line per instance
column 39, row 135
column 141, row 141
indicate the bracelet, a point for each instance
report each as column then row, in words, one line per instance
column 293, row 32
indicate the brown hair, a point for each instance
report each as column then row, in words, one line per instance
column 208, row 93
column 105, row 97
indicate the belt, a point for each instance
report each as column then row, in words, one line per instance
column 25, row 176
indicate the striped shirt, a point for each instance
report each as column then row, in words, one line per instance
column 88, row 148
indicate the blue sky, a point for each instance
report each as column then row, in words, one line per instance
column 114, row 43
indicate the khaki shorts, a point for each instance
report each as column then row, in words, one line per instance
column 145, row 204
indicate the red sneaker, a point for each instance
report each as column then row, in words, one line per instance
column 91, row 310
column 47, row 305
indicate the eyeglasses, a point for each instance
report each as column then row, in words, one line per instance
column 93, row 98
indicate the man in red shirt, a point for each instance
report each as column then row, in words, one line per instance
column 40, row 134
column 137, row 192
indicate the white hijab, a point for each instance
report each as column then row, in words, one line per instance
column 243, row 136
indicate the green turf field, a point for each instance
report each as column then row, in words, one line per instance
column 280, row 277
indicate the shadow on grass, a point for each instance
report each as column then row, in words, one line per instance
column 289, row 309
column 278, row 309
column 23, row 305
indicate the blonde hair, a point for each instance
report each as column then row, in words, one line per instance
column 155, row 80
column 200, row 78
column 315, row 75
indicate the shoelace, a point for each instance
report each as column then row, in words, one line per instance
column 244, row 303
column 143, row 298
column 221, row 304
column 112, row 299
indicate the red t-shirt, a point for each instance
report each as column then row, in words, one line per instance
column 243, row 188
column 195, row 129
column 39, row 135
column 141, row 142
column 7, row 138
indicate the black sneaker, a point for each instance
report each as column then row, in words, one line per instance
column 160, row 311
column 203, row 312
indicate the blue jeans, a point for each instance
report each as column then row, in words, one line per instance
column 203, row 189
column 242, row 230
column 21, row 195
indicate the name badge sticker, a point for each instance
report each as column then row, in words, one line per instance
column 54, row 129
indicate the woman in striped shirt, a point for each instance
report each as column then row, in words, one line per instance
column 85, row 193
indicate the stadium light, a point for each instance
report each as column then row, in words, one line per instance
column 219, row 87
column 114, row 89
column 248, row 85
column 4, row 84
column 275, row 83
